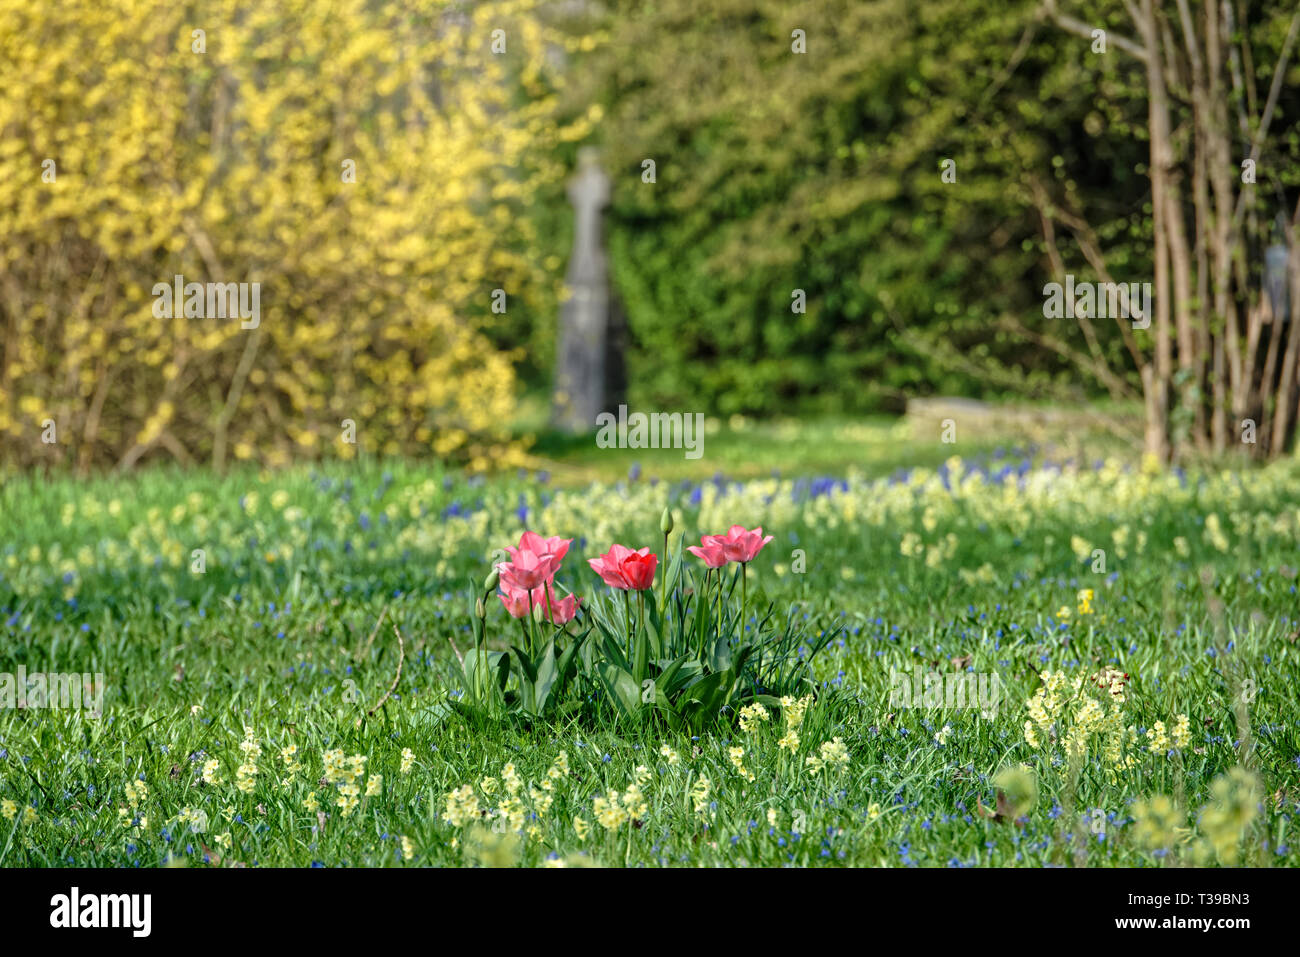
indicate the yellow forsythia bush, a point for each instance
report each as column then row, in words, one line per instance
column 362, row 162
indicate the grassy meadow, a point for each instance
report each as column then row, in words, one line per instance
column 1140, row 627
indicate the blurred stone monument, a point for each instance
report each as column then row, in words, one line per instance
column 589, row 370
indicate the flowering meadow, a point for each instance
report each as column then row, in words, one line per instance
column 389, row 664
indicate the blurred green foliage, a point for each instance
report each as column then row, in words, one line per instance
column 821, row 171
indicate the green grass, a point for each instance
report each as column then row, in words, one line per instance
column 278, row 634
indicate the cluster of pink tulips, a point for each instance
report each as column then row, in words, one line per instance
column 527, row 581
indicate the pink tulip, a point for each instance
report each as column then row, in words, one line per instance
column 561, row 612
column 710, row 553
column 739, row 545
column 516, row 600
column 532, row 542
column 625, row 569
column 528, row 570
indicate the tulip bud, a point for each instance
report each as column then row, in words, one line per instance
column 479, row 609
column 666, row 522
column 490, row 583
column 537, row 612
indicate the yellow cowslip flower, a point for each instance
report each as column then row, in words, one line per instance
column 311, row 803
column 941, row 737
column 873, row 811
column 1031, row 736
column 510, row 778
column 408, row 848
column 771, row 817
column 672, row 756
column 789, row 741
column 751, row 716
column 541, row 799
column 408, row 759
column 1063, row 612
column 29, row 814
column 223, row 840
column 1089, row 716
column 581, row 827
column 834, row 752
column 462, row 806
column 1214, row 533
column 374, row 784
column 1233, row 807
column 1085, row 601
column 1182, row 733
column 561, row 762
column 488, row 786
column 1159, row 740
column 635, row 803
column 700, row 794
column 609, row 814
column 513, row 810
column 1156, row 822
column 1081, row 547
column 212, row 771
column 737, row 756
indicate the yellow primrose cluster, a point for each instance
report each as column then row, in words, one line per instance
column 462, row 804
column 612, row 810
column 737, row 756
column 289, row 755
column 136, row 793
column 1158, row 823
column 700, row 795
column 345, row 772
column 833, row 754
column 1161, row 740
column 751, row 716
column 246, row 773
column 936, row 553
column 1067, row 710
column 793, row 710
column 1234, row 805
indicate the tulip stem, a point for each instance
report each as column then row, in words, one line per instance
column 627, row 622
column 642, row 648
column 529, row 634
column 744, row 596
column 478, row 660
column 704, row 597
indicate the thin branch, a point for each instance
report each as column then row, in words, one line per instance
column 401, row 659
